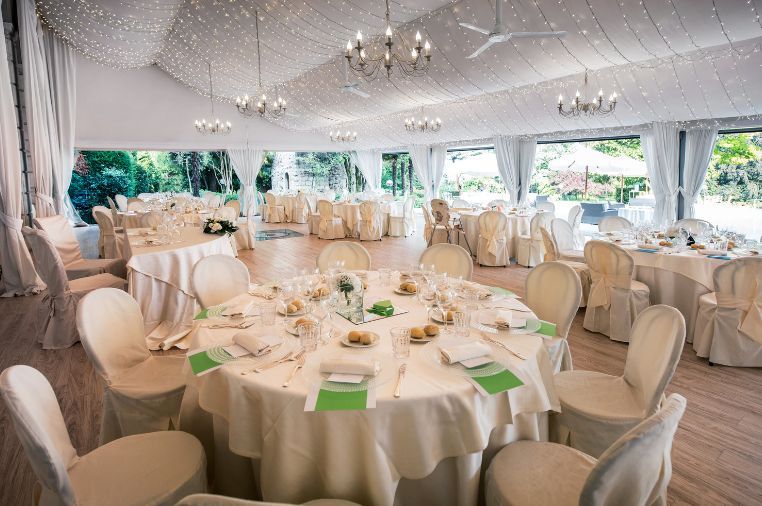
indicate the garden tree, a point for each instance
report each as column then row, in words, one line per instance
column 264, row 178
column 394, row 176
column 735, row 169
column 195, row 173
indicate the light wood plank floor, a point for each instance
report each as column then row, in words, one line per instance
column 717, row 454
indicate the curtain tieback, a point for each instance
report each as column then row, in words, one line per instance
column 45, row 198
column 11, row 222
column 751, row 323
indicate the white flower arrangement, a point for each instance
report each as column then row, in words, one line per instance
column 219, row 227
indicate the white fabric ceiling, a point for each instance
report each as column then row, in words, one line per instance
column 668, row 60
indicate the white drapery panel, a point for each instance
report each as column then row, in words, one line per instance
column 699, row 145
column 246, row 163
column 19, row 276
column 661, row 150
column 428, row 162
column 369, row 162
column 515, row 162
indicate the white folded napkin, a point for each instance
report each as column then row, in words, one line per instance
column 347, row 365
column 643, row 245
column 458, row 353
column 238, row 305
column 718, row 252
column 256, row 344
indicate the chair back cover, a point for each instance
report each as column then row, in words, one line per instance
column 111, row 329
column 62, row 236
column 575, row 216
column 551, row 252
column 492, row 225
column 121, row 202
column 738, row 285
column 47, row 261
column 449, row 258
column 39, row 424
column 218, row 278
column 694, row 225
column 372, row 220
column 234, row 204
column 103, row 219
column 562, row 233
column 440, row 212
column 271, row 200
column 553, row 292
column 354, row 255
column 460, row 203
column 212, row 200
column 539, row 220
column 614, row 224
column 546, row 206
column 136, row 205
column 227, row 213
column 151, row 219
column 610, row 267
column 636, row 469
column 113, row 208
column 325, row 209
column 656, row 342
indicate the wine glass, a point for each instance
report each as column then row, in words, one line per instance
column 443, row 297
column 324, row 311
column 426, row 296
column 284, row 295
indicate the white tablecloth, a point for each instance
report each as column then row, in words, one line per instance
column 350, row 214
column 423, row 448
column 517, row 225
column 133, row 219
column 637, row 214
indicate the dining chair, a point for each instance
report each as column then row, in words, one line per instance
column 615, row 298
column 693, row 225
column 575, row 220
column 301, row 209
column 448, row 258
column 114, row 212
column 331, row 226
column 371, row 225
column 404, row 225
column 440, row 212
column 553, row 292
column 273, row 213
column 151, row 219
column 227, row 213
column 56, row 320
column 614, row 224
column 530, row 247
column 580, row 269
column 634, row 470
column 564, row 237
column 111, row 238
column 597, row 408
column 313, row 222
column 143, row 391
column 547, row 207
column 432, row 233
column 218, row 278
column 221, row 500
column 353, row 255
column 236, row 205
column 159, row 468
column 729, row 322
column 121, row 202
column 135, row 204
column 491, row 249
column 61, row 235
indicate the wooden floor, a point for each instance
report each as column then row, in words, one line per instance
column 717, row 454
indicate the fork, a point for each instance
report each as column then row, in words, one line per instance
column 400, row 377
column 299, row 364
column 291, row 356
column 242, row 325
column 503, row 346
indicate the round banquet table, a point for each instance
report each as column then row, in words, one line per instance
column 160, row 276
column 429, row 446
column 133, row 219
column 130, row 219
column 350, row 215
column 517, row 226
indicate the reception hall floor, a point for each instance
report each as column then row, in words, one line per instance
column 717, row 453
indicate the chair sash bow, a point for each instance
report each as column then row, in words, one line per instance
column 751, row 322
column 600, row 289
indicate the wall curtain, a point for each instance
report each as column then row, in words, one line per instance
column 661, row 149
column 515, row 162
column 428, row 163
column 246, row 163
column 699, row 146
column 369, row 163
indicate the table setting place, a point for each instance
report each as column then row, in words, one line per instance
column 344, row 337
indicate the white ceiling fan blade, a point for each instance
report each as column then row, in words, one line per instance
column 482, row 49
column 538, row 35
column 474, row 28
column 357, row 91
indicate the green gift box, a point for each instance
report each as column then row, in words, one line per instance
column 383, row 308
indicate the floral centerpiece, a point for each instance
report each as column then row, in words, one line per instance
column 349, row 291
column 219, row 227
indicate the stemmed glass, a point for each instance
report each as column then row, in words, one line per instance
column 309, row 281
column 443, row 298
column 284, row 295
column 324, row 311
column 427, row 297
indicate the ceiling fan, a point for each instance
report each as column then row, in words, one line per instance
column 500, row 34
column 351, row 87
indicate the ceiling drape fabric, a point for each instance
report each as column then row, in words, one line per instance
column 515, row 162
column 699, row 146
column 369, row 163
column 246, row 163
column 19, row 276
column 428, row 163
column 661, row 150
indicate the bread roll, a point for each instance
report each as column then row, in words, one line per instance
column 298, row 303
column 366, row 338
column 291, row 308
column 354, row 336
column 417, row 333
column 431, row 330
column 411, row 288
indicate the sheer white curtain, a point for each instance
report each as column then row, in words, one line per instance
column 19, row 276
column 247, row 162
column 369, row 162
column 515, row 162
column 661, row 149
column 428, row 163
column 699, row 145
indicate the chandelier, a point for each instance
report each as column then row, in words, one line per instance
column 216, row 126
column 246, row 105
column 343, row 137
column 368, row 67
column 592, row 108
column 423, row 125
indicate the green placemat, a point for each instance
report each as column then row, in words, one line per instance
column 202, row 363
column 499, row 382
column 328, row 400
column 203, row 315
column 501, row 291
column 547, row 328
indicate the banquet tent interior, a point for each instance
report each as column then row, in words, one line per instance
column 401, row 252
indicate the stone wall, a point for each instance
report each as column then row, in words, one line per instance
column 289, row 172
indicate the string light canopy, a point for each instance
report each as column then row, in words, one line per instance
column 217, row 126
column 580, row 106
column 338, row 136
column 246, row 105
column 369, row 67
column 423, row 124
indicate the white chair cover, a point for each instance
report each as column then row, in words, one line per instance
column 143, row 392
column 371, row 224
column 152, row 219
column 121, row 202
column 547, row 207
column 635, row 470
column 246, row 235
column 449, row 258
column 212, row 200
column 56, row 320
column 235, row 204
column 596, row 409
column 158, row 468
column 575, row 220
column 114, row 212
column 615, row 298
column 110, row 243
column 614, row 224
column 331, row 227
column 553, row 292
column 136, row 204
column 460, row 203
column 432, row 234
column 226, row 213
column 564, row 237
column 219, row 500
column 693, row 225
column 301, row 209
column 354, row 256
column 729, row 323
column 530, row 247
column 218, row 278
column 314, row 216
column 581, row 269
column 273, row 213
column 491, row 249
column 403, row 226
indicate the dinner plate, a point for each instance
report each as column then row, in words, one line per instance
column 404, row 292
column 436, row 316
column 426, row 339
column 387, row 373
column 433, row 357
column 484, row 319
column 297, row 313
column 346, row 342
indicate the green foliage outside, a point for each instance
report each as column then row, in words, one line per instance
column 735, row 170
column 403, row 161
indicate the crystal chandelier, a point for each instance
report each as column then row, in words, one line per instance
column 217, row 126
column 423, row 125
column 246, row 105
column 592, row 108
column 338, row 136
column 368, row 67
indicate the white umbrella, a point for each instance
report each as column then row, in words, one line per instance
column 482, row 164
column 590, row 160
